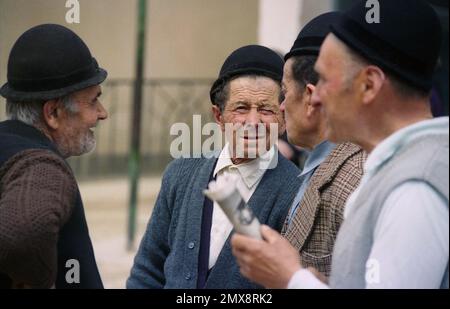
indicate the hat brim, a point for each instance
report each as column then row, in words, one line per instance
column 22, row 96
column 238, row 73
column 304, row 51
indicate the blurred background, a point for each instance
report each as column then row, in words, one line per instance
column 184, row 45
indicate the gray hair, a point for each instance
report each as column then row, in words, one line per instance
column 221, row 96
column 30, row 112
column 303, row 71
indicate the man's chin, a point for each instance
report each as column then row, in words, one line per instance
column 90, row 147
column 250, row 153
column 86, row 147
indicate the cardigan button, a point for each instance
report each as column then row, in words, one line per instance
column 191, row 245
column 188, row 276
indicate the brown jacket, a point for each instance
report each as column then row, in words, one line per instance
column 317, row 220
column 37, row 195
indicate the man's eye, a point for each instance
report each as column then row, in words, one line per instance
column 267, row 111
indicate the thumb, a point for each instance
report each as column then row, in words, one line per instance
column 269, row 234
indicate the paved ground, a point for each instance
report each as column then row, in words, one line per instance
column 106, row 204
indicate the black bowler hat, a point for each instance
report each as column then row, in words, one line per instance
column 47, row 62
column 251, row 59
column 406, row 41
column 313, row 34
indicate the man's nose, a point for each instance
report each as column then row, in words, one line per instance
column 283, row 106
column 253, row 117
column 315, row 98
column 102, row 113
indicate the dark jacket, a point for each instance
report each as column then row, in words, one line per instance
column 71, row 238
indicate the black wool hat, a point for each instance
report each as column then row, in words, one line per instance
column 251, row 59
column 313, row 34
column 406, row 41
column 49, row 61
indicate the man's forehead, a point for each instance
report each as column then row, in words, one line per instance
column 95, row 89
column 253, row 92
column 332, row 47
column 329, row 52
column 253, row 83
column 90, row 91
column 287, row 67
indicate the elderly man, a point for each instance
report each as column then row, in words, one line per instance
column 375, row 82
column 52, row 105
column 186, row 244
column 331, row 172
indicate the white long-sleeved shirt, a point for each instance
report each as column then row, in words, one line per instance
column 411, row 237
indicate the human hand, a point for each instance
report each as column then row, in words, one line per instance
column 270, row 262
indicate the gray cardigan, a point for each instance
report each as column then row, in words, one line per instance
column 168, row 253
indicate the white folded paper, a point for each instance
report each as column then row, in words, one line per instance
column 225, row 193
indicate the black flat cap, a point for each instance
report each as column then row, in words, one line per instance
column 251, row 59
column 313, row 34
column 406, row 42
column 47, row 62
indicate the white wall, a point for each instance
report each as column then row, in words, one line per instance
column 281, row 20
column 279, row 23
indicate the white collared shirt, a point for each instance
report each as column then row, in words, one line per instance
column 250, row 174
column 411, row 236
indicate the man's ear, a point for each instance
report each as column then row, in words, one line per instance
column 52, row 113
column 313, row 106
column 218, row 116
column 372, row 81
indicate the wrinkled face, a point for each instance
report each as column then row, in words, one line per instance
column 76, row 134
column 294, row 107
column 336, row 90
column 251, row 114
